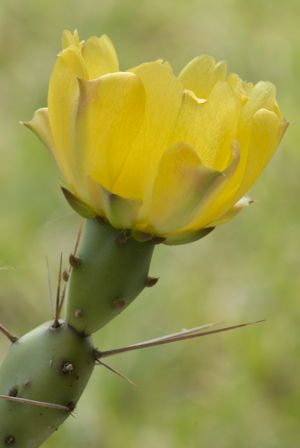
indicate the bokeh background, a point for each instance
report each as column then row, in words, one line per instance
column 234, row 390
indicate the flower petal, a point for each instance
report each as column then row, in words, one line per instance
column 265, row 134
column 267, row 130
column 110, row 115
column 62, row 106
column 201, row 75
column 121, row 212
column 40, row 125
column 183, row 186
column 200, row 220
column 100, row 56
column 261, row 96
column 164, row 98
column 238, row 86
column 69, row 39
column 210, row 127
column 223, row 218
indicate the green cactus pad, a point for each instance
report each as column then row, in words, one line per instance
column 48, row 365
column 110, row 275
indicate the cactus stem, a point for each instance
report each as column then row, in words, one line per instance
column 108, row 271
column 151, row 281
column 186, row 334
column 37, row 403
column 98, row 362
column 8, row 334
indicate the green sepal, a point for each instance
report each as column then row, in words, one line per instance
column 121, row 212
column 32, row 369
column 109, row 275
column 78, row 205
column 178, row 238
column 141, row 236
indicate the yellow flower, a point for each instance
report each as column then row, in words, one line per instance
column 150, row 152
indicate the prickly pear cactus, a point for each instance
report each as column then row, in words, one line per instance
column 49, row 365
column 44, row 373
column 142, row 172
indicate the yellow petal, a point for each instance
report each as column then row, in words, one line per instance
column 95, row 193
column 100, row 56
column 266, row 132
column 110, row 114
column 223, row 218
column 164, row 98
column 183, row 188
column 262, row 95
column 201, row 75
column 121, row 212
column 41, row 127
column 238, row 86
column 62, row 105
column 69, row 39
column 211, row 126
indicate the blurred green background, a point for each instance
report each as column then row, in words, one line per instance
column 237, row 389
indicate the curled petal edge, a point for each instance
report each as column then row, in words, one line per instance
column 40, row 125
column 230, row 214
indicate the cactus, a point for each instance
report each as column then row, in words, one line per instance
column 44, row 373
column 50, row 365
column 134, row 148
column 108, row 274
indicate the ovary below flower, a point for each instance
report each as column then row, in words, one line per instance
column 150, row 152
